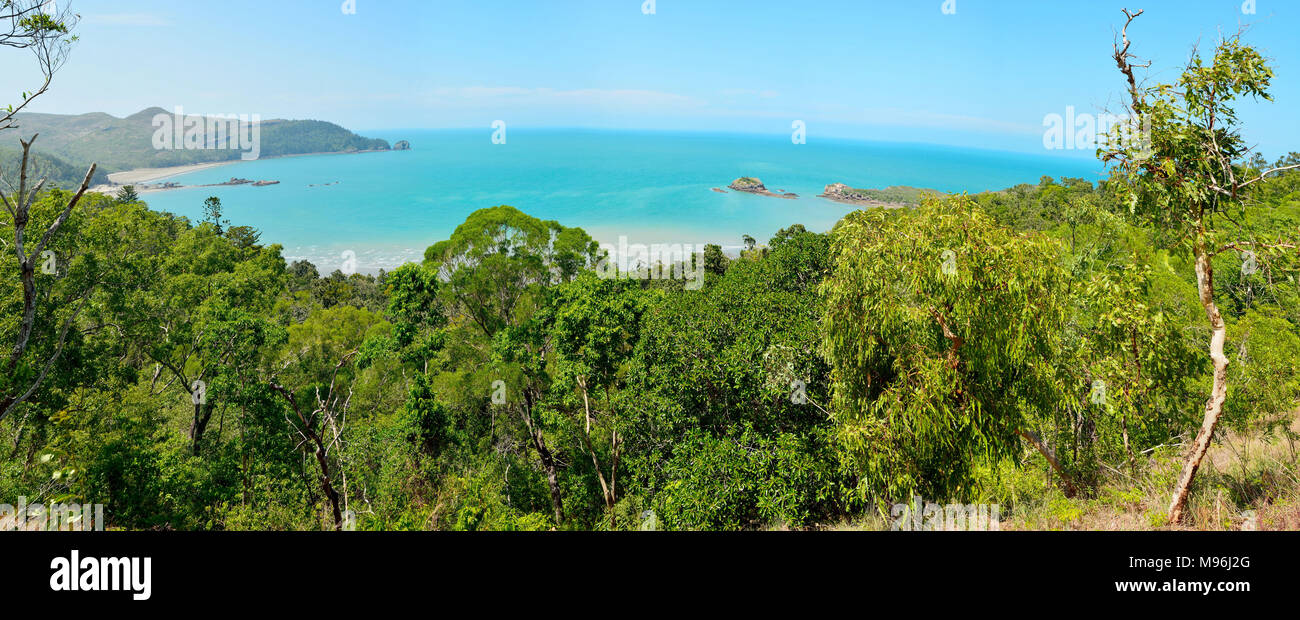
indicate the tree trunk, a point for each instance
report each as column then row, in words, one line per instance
column 1032, row 437
column 606, row 490
column 1218, row 394
column 328, row 486
column 543, row 453
column 202, row 415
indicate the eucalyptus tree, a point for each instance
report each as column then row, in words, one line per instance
column 495, row 263
column 943, row 331
column 1184, row 169
column 494, row 273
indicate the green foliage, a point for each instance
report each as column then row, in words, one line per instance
column 506, row 383
column 942, row 332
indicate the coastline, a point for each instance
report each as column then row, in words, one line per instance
column 880, row 204
column 143, row 177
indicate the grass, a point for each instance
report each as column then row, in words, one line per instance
column 1247, row 481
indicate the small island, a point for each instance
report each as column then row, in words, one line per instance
column 402, row 145
column 751, row 185
column 896, row 197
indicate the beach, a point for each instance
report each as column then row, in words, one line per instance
column 142, row 177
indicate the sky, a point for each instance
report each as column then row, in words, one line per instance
column 976, row 73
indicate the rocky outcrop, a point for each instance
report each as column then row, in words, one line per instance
column 402, row 145
column 751, row 185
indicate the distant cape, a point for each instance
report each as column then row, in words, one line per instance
column 68, row 143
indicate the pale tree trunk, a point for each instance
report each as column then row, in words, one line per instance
column 1219, row 392
column 1037, row 442
column 609, row 490
column 543, row 453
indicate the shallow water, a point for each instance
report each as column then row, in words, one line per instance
column 648, row 187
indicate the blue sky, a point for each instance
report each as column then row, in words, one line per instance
column 900, row 70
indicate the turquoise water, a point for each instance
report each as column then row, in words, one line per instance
column 649, row 187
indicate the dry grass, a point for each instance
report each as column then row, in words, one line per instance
column 1248, row 481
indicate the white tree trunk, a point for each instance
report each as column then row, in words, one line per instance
column 1218, row 394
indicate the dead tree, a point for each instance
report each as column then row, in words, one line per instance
column 19, row 206
column 322, row 429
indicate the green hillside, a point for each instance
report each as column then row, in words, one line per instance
column 119, row 144
column 59, row 172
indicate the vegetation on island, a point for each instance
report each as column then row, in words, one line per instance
column 1053, row 349
column 897, row 195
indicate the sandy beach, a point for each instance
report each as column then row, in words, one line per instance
column 141, row 177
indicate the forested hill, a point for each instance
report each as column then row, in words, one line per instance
column 118, row 144
column 46, row 166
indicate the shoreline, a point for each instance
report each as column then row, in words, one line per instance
column 870, row 203
column 141, row 178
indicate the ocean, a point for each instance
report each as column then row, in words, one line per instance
column 649, row 187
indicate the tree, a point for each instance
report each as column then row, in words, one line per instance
column 323, row 429
column 502, row 256
column 25, row 24
column 715, row 262
column 593, row 325
column 128, row 194
column 48, row 36
column 30, row 372
column 494, row 273
column 197, row 314
column 942, row 331
column 1186, row 174
column 212, row 212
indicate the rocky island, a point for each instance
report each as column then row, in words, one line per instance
column 402, row 145
column 751, row 185
column 896, row 197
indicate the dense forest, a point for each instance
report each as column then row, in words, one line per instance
column 1051, row 348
